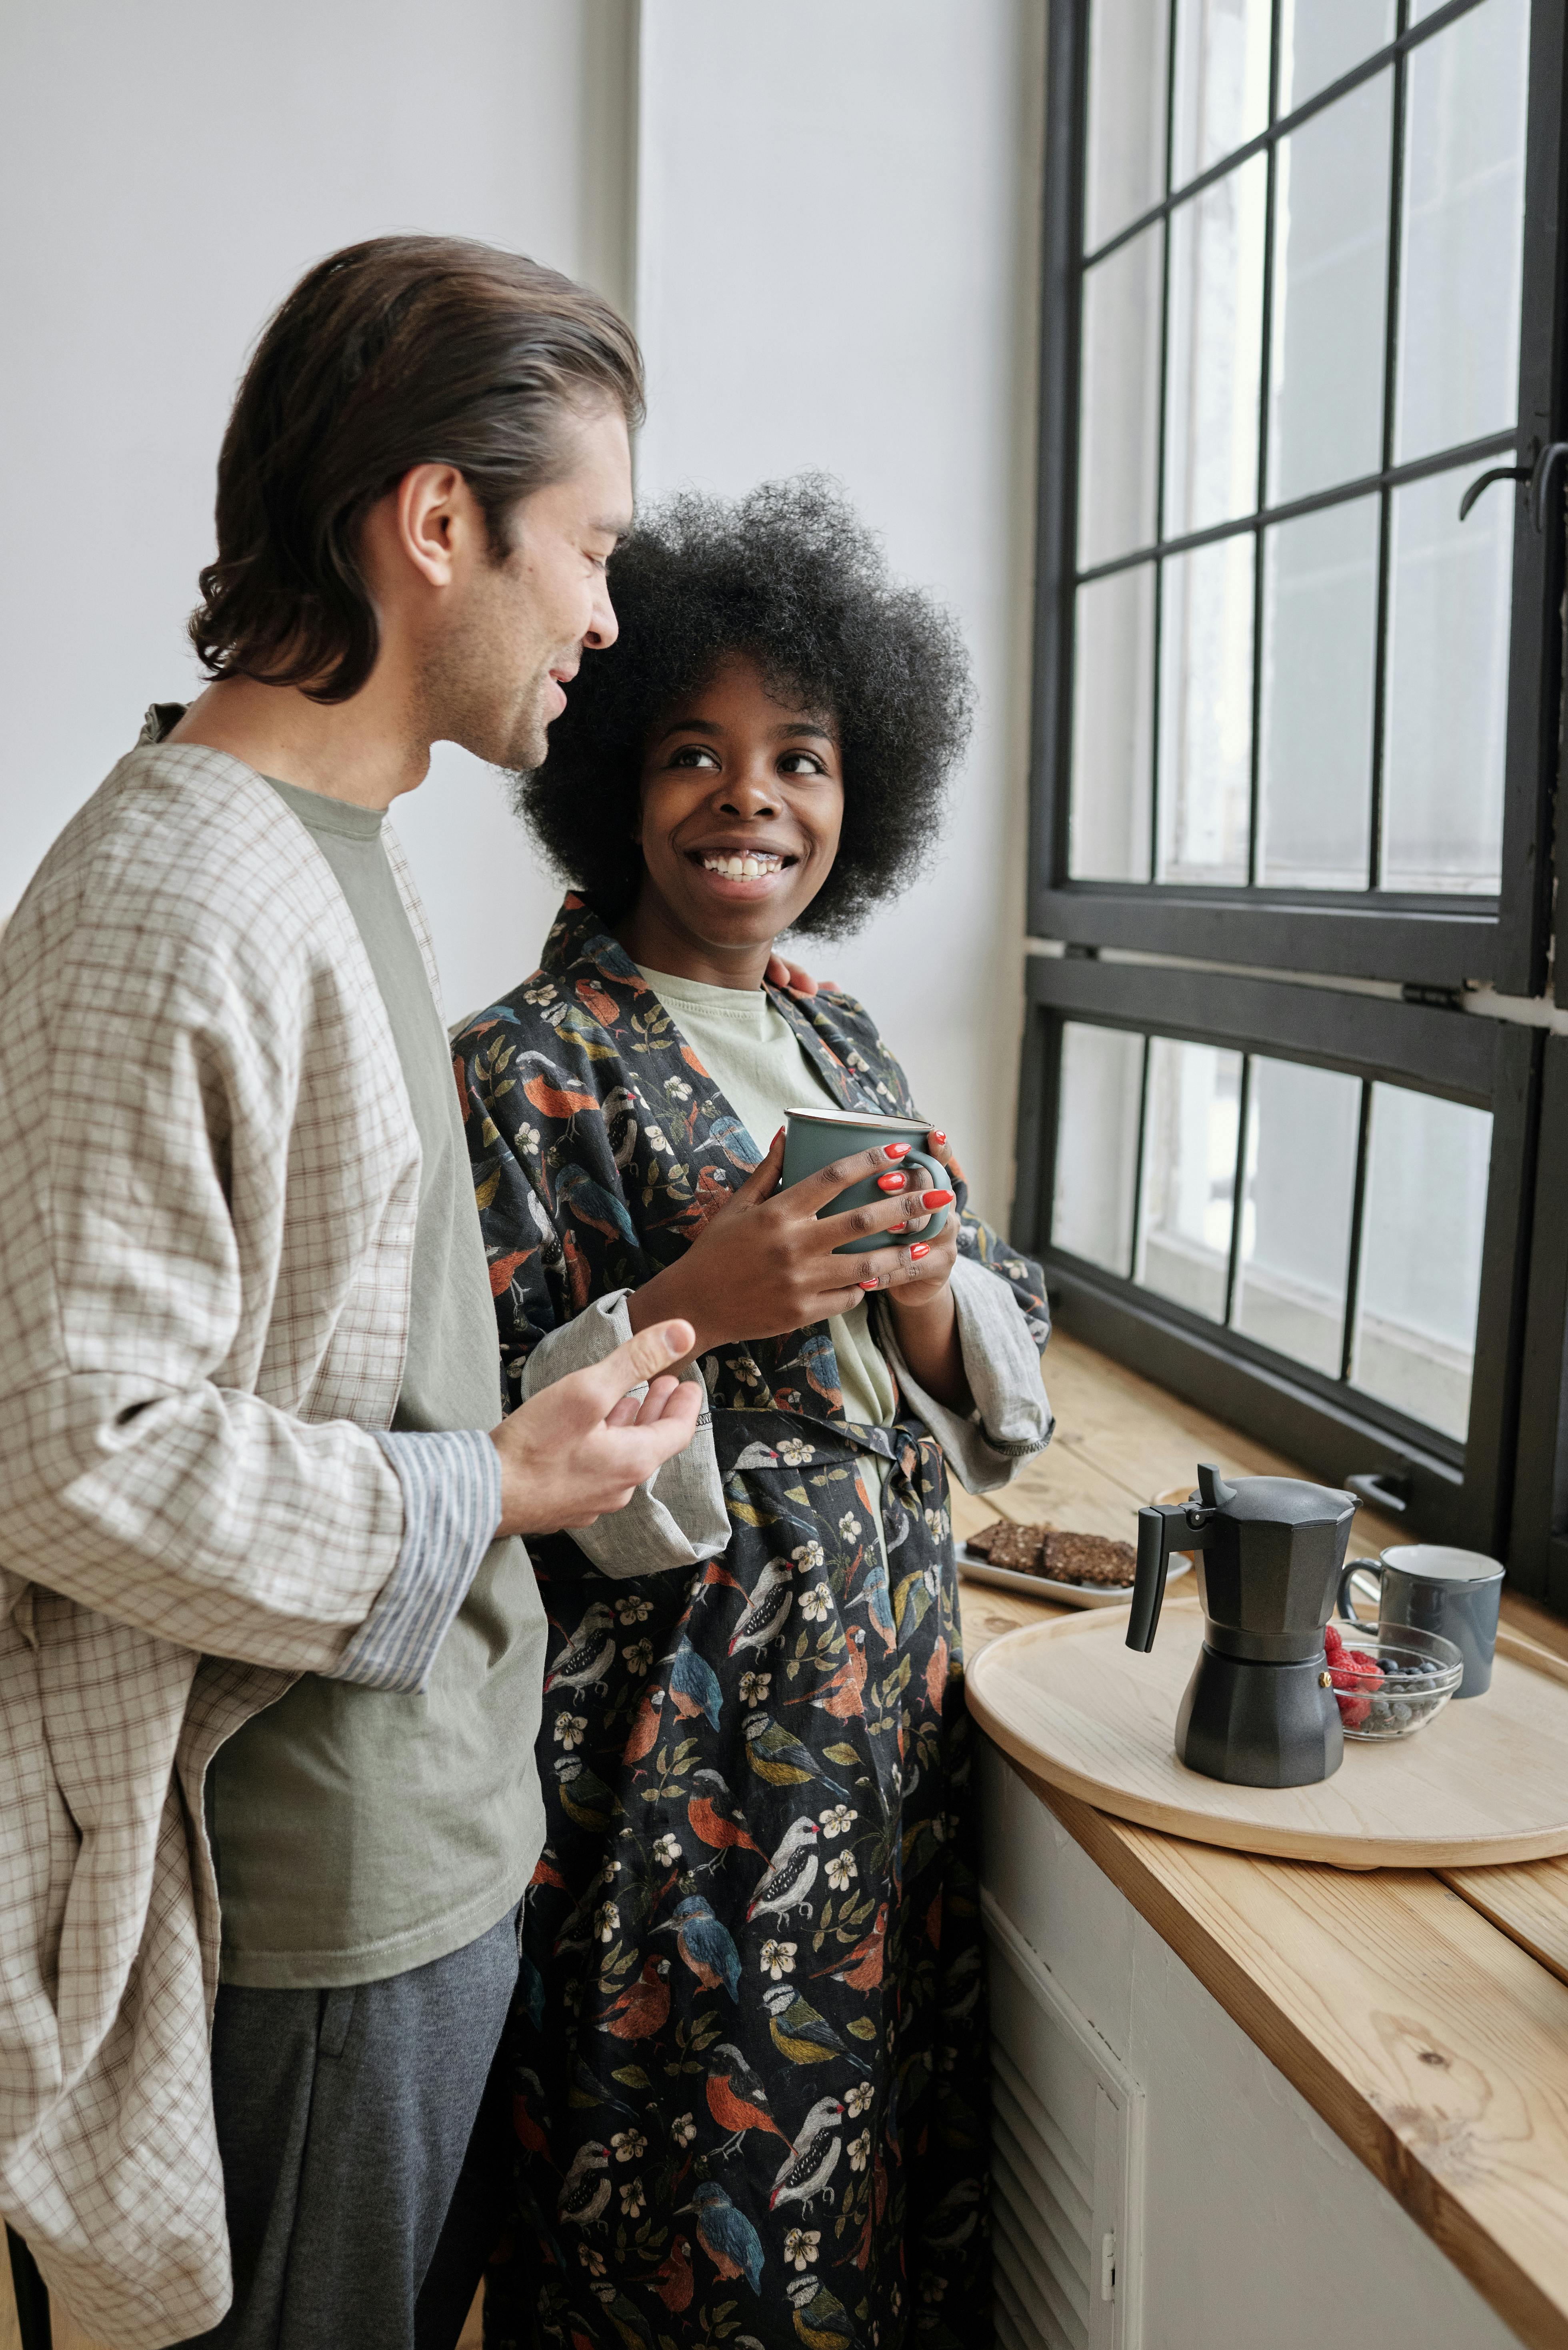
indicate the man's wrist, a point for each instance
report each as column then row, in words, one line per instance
column 451, row 1484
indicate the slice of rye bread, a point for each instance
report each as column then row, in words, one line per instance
column 1087, row 1558
column 1006, row 1543
column 1041, row 1549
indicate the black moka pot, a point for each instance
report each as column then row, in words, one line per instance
column 1259, row 1709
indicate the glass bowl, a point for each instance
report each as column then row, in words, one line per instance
column 1421, row 1671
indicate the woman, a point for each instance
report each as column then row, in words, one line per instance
column 749, row 2048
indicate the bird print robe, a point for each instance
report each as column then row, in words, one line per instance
column 747, row 2055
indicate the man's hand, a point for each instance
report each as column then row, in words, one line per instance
column 792, row 977
column 765, row 1264
column 581, row 1448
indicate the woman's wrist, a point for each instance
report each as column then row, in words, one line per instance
column 929, row 1340
column 664, row 1299
column 918, row 1297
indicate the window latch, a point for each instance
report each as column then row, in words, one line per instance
column 1386, row 1489
column 1538, row 476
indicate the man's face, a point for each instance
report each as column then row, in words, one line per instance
column 514, row 635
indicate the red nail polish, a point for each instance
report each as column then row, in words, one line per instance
column 919, row 1249
column 895, row 1151
column 936, row 1198
column 778, row 1138
column 891, row 1183
column 897, row 1227
column 871, row 1284
column 937, row 1134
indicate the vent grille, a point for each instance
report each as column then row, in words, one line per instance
column 1066, row 2125
column 1042, row 2215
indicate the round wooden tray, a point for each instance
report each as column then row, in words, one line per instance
column 1488, row 1781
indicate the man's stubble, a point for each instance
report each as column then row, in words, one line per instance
column 486, row 685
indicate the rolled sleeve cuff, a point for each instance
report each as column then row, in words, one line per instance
column 679, row 1517
column 451, row 1507
column 1011, row 1421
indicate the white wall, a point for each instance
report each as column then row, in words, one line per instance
column 167, row 172
column 834, row 233
column 836, row 269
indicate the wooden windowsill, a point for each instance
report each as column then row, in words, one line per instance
column 1423, row 2015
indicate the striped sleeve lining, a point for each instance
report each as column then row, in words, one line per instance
column 451, row 1506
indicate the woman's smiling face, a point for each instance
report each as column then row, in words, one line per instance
column 743, row 798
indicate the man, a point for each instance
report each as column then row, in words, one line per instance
column 264, row 1610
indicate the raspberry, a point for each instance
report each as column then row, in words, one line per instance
column 1331, row 1642
column 1353, row 1673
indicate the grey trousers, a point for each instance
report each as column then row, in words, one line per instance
column 364, row 2166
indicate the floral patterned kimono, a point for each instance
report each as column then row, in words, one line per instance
column 748, row 2051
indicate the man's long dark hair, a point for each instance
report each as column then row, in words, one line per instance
column 402, row 351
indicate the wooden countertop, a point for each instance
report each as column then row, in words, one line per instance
column 1423, row 2015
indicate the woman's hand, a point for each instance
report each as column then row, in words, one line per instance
column 934, row 1259
column 922, row 1307
column 765, row 1265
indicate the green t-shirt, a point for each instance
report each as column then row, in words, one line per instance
column 360, row 1832
column 754, row 1055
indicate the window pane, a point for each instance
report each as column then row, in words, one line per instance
column 1113, row 728
column 1127, row 42
column 1296, row 1210
column 1216, row 327
column 1222, row 97
column 1205, row 712
column 1427, row 1162
column 1450, row 597
column 1331, row 281
column 1189, row 1173
column 1464, row 208
column 1097, row 1144
column 1119, row 407
column 1320, row 633
column 1321, row 39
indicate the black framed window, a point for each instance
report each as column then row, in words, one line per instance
column 1295, row 716
column 1308, row 1208
column 1291, row 710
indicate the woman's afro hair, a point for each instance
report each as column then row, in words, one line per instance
column 790, row 578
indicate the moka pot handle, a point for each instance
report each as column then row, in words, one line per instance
column 1162, row 1528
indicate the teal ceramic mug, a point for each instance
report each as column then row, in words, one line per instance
column 814, row 1139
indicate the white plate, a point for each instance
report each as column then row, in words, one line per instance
column 1065, row 1594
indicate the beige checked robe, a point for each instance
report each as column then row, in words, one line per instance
column 206, row 1229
